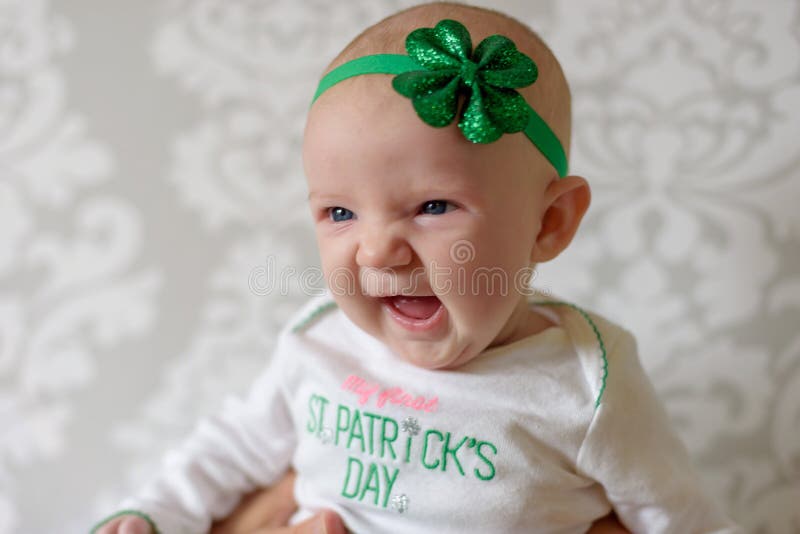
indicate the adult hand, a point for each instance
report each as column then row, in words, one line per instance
column 268, row 512
column 608, row 525
column 125, row 524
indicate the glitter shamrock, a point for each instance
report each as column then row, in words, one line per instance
column 400, row 503
column 410, row 425
column 487, row 77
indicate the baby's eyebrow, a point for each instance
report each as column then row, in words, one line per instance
column 328, row 197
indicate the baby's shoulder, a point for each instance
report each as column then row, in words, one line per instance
column 601, row 345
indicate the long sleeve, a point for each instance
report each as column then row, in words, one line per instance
column 631, row 449
column 248, row 444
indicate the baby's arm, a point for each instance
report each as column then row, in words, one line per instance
column 633, row 452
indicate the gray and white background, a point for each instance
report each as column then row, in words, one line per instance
column 149, row 164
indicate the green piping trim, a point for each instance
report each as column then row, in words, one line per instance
column 319, row 310
column 596, row 333
column 137, row 513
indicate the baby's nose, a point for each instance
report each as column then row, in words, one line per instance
column 380, row 248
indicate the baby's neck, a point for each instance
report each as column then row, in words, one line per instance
column 524, row 322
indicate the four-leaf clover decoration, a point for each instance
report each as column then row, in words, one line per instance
column 487, row 77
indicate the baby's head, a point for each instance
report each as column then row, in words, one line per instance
column 426, row 239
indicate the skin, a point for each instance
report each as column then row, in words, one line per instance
column 267, row 511
column 368, row 155
column 391, row 196
column 377, row 210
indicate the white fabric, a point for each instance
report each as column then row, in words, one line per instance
column 544, row 458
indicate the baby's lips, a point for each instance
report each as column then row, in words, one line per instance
column 415, row 307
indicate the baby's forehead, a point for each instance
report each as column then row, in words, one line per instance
column 362, row 124
column 363, row 131
column 371, row 104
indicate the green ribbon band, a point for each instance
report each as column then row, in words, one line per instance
column 493, row 108
column 542, row 136
column 375, row 64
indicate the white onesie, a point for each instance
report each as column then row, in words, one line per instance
column 546, row 434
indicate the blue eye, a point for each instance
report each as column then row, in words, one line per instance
column 435, row 207
column 339, row 214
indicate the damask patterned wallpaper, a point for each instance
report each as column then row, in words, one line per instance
column 150, row 182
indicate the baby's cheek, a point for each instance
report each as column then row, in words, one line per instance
column 341, row 279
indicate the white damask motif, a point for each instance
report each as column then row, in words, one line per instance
column 223, row 50
column 674, row 225
column 667, row 158
column 786, row 422
column 694, row 175
column 254, row 65
column 69, row 293
column 751, row 398
column 8, row 517
column 685, row 124
column 735, row 389
column 243, row 168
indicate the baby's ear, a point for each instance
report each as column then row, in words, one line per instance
column 565, row 202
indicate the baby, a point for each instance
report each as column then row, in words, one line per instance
column 430, row 391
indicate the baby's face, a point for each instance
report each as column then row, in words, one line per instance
column 425, row 238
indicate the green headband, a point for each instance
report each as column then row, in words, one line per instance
column 441, row 65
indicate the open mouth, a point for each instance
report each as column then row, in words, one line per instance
column 415, row 313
